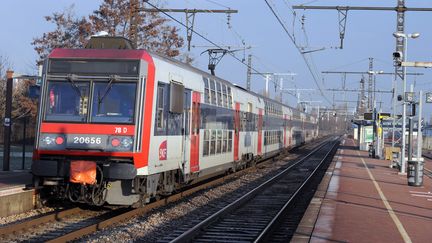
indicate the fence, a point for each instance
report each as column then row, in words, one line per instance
column 23, row 131
column 22, row 140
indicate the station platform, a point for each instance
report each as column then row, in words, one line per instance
column 363, row 200
column 15, row 197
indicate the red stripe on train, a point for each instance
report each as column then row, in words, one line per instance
column 71, row 128
column 141, row 159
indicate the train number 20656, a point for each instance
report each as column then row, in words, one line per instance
column 87, row 140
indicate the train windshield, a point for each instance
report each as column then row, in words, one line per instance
column 113, row 102
column 67, row 101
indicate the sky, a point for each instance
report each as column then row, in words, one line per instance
column 368, row 34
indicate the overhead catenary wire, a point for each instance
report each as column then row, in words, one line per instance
column 202, row 36
column 300, row 51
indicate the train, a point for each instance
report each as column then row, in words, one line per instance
column 122, row 126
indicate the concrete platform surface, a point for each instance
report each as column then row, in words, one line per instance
column 14, row 197
column 366, row 201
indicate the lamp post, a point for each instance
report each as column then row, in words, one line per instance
column 404, row 58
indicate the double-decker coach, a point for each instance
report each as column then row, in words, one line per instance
column 121, row 126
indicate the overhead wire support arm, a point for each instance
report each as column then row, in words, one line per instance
column 342, row 14
column 361, row 73
column 190, row 17
column 346, row 8
column 343, row 11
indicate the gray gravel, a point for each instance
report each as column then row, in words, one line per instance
column 162, row 222
column 23, row 216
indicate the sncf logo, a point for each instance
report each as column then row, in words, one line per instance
column 163, row 150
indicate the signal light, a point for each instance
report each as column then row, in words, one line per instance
column 115, row 142
column 59, row 140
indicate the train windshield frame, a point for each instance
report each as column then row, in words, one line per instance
column 91, row 102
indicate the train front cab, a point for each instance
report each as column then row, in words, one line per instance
column 91, row 126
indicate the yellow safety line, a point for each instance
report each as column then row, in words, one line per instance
column 395, row 219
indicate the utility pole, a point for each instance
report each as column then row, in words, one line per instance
column 370, row 84
column 190, row 17
column 361, row 108
column 270, row 76
column 249, row 72
column 7, row 121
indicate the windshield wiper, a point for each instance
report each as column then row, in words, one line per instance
column 71, row 78
column 108, row 87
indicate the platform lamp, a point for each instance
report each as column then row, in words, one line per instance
column 403, row 58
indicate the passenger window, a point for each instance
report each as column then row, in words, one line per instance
column 224, row 141
column 230, row 101
column 206, row 91
column 219, row 94
column 213, row 91
column 225, row 97
column 219, row 142
column 213, row 142
column 206, row 143
column 230, row 141
column 160, row 108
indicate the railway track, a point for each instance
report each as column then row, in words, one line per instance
column 73, row 223
column 270, row 212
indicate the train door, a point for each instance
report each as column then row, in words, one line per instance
column 260, row 125
column 194, row 133
column 236, row 131
column 186, row 129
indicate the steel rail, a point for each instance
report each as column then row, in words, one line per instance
column 191, row 233
column 55, row 216
column 265, row 234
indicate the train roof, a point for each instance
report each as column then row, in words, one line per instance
column 208, row 75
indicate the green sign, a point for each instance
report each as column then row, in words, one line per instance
column 368, row 134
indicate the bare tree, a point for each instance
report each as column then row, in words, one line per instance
column 113, row 16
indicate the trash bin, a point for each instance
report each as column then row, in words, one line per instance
column 415, row 173
column 371, row 151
